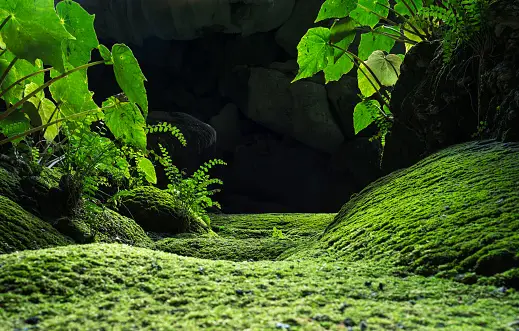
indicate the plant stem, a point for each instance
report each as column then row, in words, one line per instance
column 22, row 79
column 377, row 89
column 47, row 84
column 6, row 72
column 41, row 127
column 4, row 22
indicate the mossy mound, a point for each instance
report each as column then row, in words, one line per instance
column 20, row 230
column 100, row 224
column 249, row 237
column 454, row 214
column 114, row 286
column 157, row 211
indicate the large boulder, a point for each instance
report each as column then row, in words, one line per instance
column 454, row 214
column 299, row 109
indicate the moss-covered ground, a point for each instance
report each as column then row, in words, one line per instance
column 250, row 237
column 420, row 249
column 118, row 287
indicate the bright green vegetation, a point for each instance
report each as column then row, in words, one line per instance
column 107, row 286
column 249, row 237
column 454, row 214
column 20, row 230
column 45, row 49
column 381, row 25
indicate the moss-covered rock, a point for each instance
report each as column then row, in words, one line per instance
column 100, row 224
column 118, row 287
column 20, row 230
column 156, row 210
column 454, row 214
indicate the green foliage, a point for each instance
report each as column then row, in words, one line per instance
column 166, row 127
column 278, row 234
column 327, row 49
column 193, row 192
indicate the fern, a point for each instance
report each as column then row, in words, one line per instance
column 164, row 127
column 458, row 20
column 193, row 192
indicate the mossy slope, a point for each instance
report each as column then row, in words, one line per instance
column 118, row 287
column 454, row 214
column 249, row 237
column 20, row 230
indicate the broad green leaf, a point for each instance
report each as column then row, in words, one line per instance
column 364, row 13
column 340, row 64
column 21, row 69
column 147, row 168
column 125, row 121
column 41, row 111
column 335, row 9
column 34, row 31
column 129, row 76
column 402, row 7
column 372, row 41
column 80, row 24
column 72, row 93
column 364, row 114
column 345, row 28
column 105, row 54
column 14, row 124
column 385, row 67
column 313, row 52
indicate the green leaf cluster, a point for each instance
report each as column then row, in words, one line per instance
column 327, row 49
column 45, row 53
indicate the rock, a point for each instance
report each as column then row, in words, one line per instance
column 302, row 19
column 406, row 207
column 227, row 126
column 157, row 211
column 133, row 21
column 20, row 230
column 259, row 49
column 100, row 224
column 299, row 110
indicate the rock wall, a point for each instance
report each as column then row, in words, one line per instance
column 290, row 146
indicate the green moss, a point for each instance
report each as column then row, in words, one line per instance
column 294, row 226
column 455, row 211
column 10, row 184
column 156, row 210
column 113, row 286
column 97, row 224
column 20, row 230
column 249, row 237
column 218, row 248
